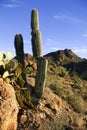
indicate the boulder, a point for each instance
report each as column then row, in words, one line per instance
column 8, row 107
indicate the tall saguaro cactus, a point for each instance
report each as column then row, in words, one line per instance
column 36, row 35
column 37, row 53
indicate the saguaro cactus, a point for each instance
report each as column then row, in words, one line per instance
column 36, row 35
column 40, row 76
column 37, row 53
column 18, row 43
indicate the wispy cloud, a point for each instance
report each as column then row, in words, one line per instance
column 80, row 50
column 84, row 35
column 55, row 48
column 50, row 41
column 10, row 4
column 50, row 45
column 70, row 19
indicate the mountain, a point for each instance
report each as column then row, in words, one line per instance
column 70, row 61
column 63, row 57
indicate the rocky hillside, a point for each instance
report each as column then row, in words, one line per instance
column 63, row 57
column 63, row 105
column 69, row 60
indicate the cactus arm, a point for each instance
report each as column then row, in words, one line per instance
column 36, row 35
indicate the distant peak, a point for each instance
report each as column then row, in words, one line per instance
column 63, row 56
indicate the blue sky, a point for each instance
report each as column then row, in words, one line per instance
column 63, row 24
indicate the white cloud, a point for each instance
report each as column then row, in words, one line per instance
column 55, row 48
column 85, row 35
column 80, row 50
column 9, row 5
column 70, row 19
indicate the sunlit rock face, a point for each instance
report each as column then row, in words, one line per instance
column 8, row 107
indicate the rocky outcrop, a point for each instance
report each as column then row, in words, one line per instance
column 8, row 107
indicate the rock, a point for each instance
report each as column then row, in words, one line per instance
column 8, row 107
column 23, row 119
column 31, row 81
column 1, row 81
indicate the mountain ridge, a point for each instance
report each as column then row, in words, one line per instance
column 68, row 59
column 65, row 55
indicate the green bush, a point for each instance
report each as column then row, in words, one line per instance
column 59, row 70
column 77, row 102
column 57, row 89
column 77, row 84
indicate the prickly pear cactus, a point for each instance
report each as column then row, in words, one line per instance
column 13, row 64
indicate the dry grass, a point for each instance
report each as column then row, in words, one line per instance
column 77, row 102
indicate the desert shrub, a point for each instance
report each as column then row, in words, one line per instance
column 59, row 70
column 77, row 102
column 77, row 84
column 58, row 89
column 54, row 124
column 50, row 79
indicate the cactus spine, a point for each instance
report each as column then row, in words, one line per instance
column 36, row 35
